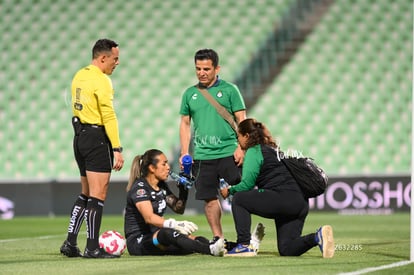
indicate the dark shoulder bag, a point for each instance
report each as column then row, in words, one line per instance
column 309, row 176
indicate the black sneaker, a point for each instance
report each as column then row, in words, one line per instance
column 98, row 253
column 70, row 250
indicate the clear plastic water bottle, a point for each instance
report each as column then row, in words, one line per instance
column 181, row 180
column 224, row 184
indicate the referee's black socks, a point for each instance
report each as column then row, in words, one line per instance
column 93, row 217
column 76, row 218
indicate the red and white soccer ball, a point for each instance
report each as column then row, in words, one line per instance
column 112, row 242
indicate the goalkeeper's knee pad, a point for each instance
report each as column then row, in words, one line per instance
column 168, row 236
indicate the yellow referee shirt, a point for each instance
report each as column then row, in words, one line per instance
column 92, row 96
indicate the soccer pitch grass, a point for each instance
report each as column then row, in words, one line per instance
column 30, row 245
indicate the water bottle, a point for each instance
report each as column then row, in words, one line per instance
column 224, row 184
column 182, row 180
column 187, row 162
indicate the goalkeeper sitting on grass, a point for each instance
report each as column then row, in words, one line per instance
column 146, row 230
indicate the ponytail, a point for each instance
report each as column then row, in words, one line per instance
column 135, row 172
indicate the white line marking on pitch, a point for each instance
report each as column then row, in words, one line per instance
column 31, row 238
column 382, row 267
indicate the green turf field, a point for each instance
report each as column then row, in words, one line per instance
column 30, row 245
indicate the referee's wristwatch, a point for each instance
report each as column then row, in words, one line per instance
column 118, row 149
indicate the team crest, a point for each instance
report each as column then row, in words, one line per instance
column 141, row 193
column 219, row 94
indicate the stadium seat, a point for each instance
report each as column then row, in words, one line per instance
column 325, row 84
column 345, row 64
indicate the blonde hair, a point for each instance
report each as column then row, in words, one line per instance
column 135, row 172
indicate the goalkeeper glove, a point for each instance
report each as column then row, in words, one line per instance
column 184, row 227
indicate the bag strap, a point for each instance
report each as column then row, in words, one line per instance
column 219, row 108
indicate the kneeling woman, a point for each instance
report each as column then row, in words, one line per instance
column 267, row 189
column 146, row 230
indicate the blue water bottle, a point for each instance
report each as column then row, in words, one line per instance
column 187, row 162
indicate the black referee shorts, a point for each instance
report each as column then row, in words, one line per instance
column 208, row 173
column 93, row 150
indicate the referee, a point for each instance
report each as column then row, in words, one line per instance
column 96, row 146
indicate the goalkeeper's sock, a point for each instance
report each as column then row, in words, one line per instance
column 76, row 218
column 93, row 218
column 202, row 239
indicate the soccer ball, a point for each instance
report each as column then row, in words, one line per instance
column 112, row 242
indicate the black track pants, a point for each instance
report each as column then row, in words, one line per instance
column 287, row 208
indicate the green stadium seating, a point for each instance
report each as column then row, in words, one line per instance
column 48, row 42
column 45, row 43
column 354, row 76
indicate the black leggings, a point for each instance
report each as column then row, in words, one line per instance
column 287, row 208
column 170, row 242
